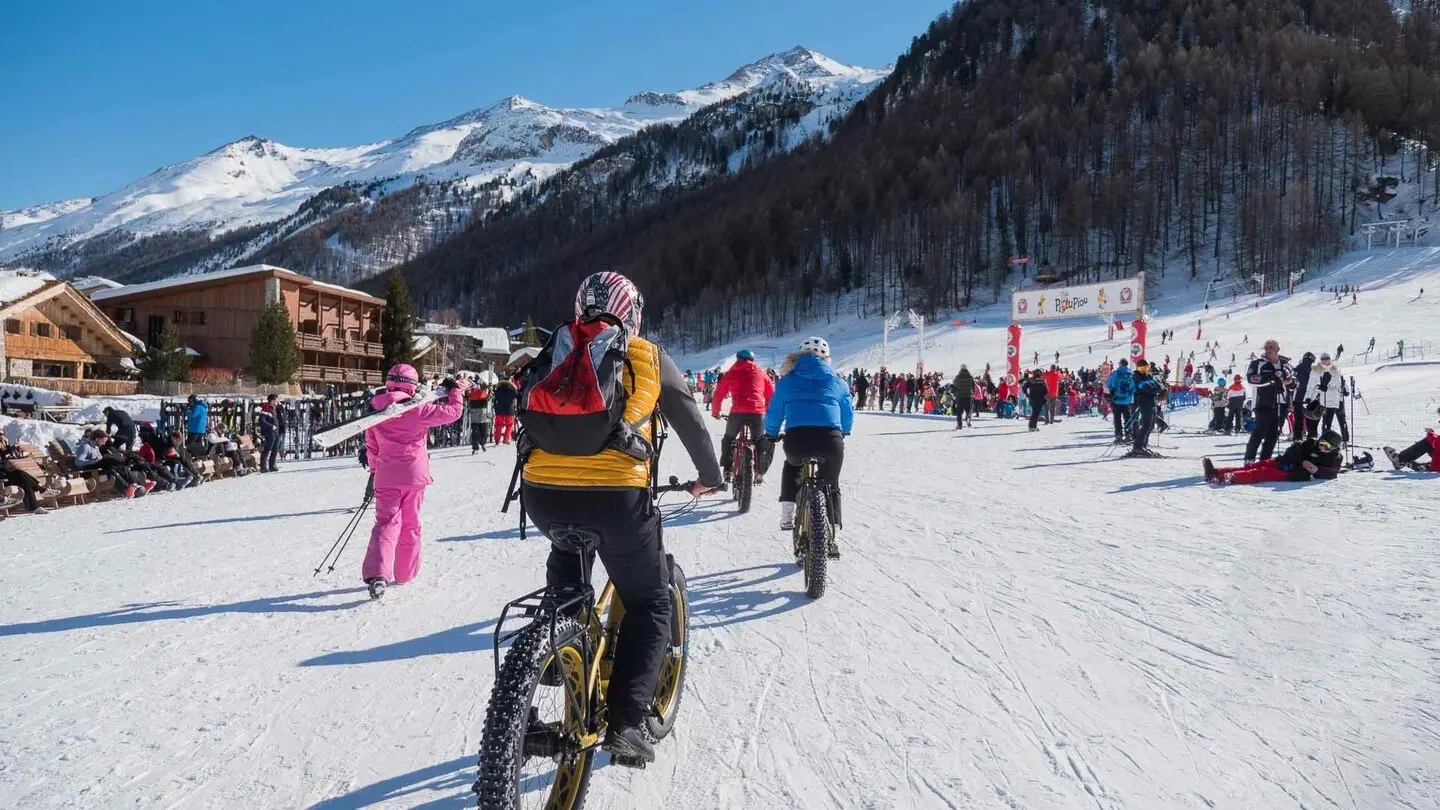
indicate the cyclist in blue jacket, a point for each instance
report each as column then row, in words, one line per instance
column 812, row 404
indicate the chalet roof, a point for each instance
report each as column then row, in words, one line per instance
column 490, row 338
column 53, row 288
column 17, row 284
column 180, row 282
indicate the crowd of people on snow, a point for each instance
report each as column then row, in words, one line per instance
column 139, row 458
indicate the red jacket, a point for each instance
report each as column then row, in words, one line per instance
column 1052, row 383
column 1434, row 439
column 748, row 387
column 146, row 453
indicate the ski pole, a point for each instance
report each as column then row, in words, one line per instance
column 345, row 534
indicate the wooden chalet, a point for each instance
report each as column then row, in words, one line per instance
column 215, row 314
column 54, row 337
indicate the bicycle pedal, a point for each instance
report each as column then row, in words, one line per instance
column 628, row 762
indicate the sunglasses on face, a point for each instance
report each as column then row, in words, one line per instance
column 1326, row 446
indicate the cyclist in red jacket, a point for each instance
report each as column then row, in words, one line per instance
column 749, row 389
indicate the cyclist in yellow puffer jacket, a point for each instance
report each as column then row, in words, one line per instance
column 608, row 493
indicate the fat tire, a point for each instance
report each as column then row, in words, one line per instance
column 817, row 544
column 658, row 728
column 501, row 757
column 745, row 481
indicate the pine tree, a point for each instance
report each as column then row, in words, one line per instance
column 397, row 329
column 274, row 357
column 165, row 358
column 531, row 336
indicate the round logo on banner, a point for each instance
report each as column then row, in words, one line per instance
column 1024, row 305
column 1012, row 350
column 1126, row 295
column 1136, row 350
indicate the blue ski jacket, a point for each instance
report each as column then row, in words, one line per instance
column 811, row 395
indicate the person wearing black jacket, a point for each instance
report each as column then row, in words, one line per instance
column 1302, row 382
column 1272, row 377
column 963, row 392
column 1147, row 391
column 272, row 428
column 1035, row 392
column 168, row 451
column 1310, row 459
column 503, row 401
column 124, row 435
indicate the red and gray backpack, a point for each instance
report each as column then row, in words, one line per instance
column 572, row 400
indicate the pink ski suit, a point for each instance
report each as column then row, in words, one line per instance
column 400, row 462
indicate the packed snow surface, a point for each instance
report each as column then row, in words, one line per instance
column 1020, row 620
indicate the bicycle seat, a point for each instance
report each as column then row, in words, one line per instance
column 574, row 539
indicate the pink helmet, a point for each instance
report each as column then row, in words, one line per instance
column 402, row 377
column 612, row 294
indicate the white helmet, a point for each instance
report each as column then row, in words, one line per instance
column 816, row 346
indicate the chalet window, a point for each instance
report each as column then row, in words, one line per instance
column 198, row 317
column 354, row 334
column 40, row 330
column 337, row 333
column 125, row 315
column 180, row 316
column 13, row 326
column 72, row 333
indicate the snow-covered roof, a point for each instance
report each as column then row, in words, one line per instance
column 16, row 284
column 422, row 344
column 203, row 278
column 90, row 284
column 489, row 337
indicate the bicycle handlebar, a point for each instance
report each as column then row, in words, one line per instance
column 675, row 485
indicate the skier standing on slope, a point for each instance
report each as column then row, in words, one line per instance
column 1035, row 392
column 963, row 389
column 1270, row 375
column 1120, row 386
column 481, row 416
column 400, row 467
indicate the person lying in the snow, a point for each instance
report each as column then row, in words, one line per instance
column 1409, row 458
column 1303, row 461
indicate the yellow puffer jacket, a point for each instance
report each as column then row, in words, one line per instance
column 610, row 469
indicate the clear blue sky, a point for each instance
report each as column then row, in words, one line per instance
column 96, row 94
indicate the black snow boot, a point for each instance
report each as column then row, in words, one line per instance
column 377, row 587
column 627, row 744
column 1210, row 474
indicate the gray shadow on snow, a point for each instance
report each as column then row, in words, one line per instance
column 164, row 611
column 466, row 638
column 512, row 533
column 242, row 519
column 1173, row 483
column 451, row 778
column 731, row 597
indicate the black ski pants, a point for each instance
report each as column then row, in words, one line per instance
column 626, row 528
column 860, row 395
column 1262, row 439
column 1037, row 411
column 962, row 411
column 1121, row 413
column 1415, row 452
column 27, row 485
column 1331, row 414
column 764, row 449
column 1144, row 423
column 479, row 434
column 269, row 451
column 825, row 444
column 1235, row 415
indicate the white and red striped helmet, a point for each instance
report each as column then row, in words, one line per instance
column 612, row 294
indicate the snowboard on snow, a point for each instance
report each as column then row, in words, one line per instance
column 351, row 428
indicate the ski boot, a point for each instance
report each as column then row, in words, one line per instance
column 376, row 586
column 1210, row 472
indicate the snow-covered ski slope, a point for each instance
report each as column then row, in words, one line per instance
column 1388, row 309
column 1018, row 622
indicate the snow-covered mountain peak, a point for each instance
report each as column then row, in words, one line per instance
column 256, row 180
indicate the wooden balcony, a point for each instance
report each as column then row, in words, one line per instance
column 82, row 388
column 340, row 376
column 359, row 348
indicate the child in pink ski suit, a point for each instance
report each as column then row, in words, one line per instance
column 400, row 462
